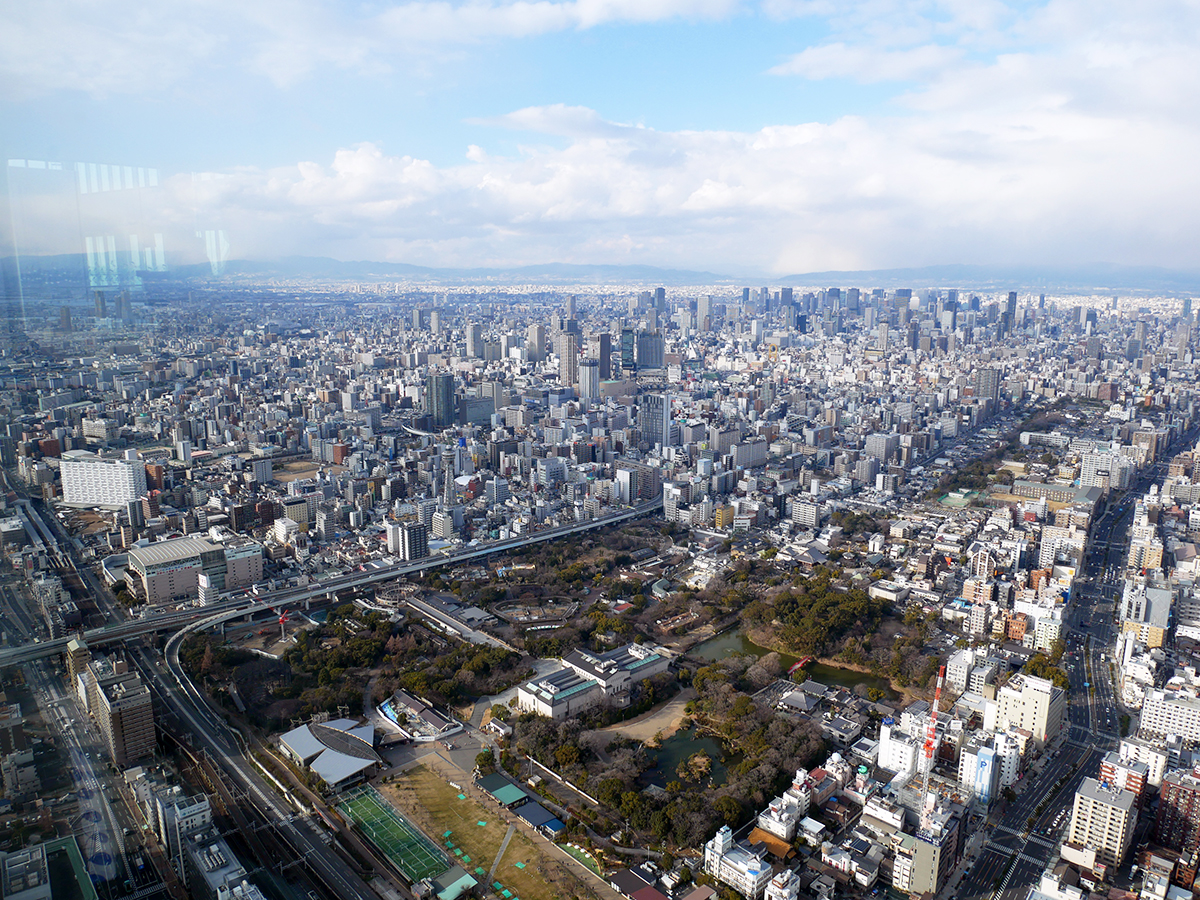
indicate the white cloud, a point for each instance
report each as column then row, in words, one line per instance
column 1035, row 178
column 123, row 47
column 1061, row 133
column 837, row 60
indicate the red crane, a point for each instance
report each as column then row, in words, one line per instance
column 931, row 740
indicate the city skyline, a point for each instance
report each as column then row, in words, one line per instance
column 737, row 138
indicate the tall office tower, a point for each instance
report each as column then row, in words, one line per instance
column 535, row 343
column 414, row 541
column 785, row 296
column 1139, row 332
column 1011, row 306
column 628, row 351
column 566, row 345
column 439, row 399
column 704, row 312
column 418, row 316
column 1185, row 312
column 102, row 307
column 745, row 296
column 1103, row 818
column 64, row 319
column 1041, row 301
column 654, row 418
column 435, row 322
column 600, row 349
column 589, row 379
column 475, row 341
column 650, row 350
column 660, row 299
column 987, row 384
column 570, row 306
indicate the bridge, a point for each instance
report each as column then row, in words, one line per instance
column 224, row 610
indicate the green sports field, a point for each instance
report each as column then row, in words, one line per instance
column 415, row 855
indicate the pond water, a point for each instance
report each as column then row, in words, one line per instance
column 734, row 642
column 677, row 748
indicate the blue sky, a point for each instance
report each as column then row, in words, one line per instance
column 771, row 137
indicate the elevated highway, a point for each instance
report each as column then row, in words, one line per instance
column 225, row 610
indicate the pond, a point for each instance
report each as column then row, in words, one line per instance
column 734, row 642
column 679, row 747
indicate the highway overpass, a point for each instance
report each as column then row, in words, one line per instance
column 232, row 608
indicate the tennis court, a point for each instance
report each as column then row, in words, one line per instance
column 415, row 855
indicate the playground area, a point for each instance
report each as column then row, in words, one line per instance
column 474, row 835
column 415, row 855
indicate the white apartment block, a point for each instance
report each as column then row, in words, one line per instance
column 784, row 886
column 1171, row 712
column 91, row 481
column 783, row 814
column 1102, row 819
column 744, row 870
column 1155, row 757
column 1034, row 704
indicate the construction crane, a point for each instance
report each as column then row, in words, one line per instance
column 930, row 741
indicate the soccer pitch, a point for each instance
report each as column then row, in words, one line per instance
column 415, row 855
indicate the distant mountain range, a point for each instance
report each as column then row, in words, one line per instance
column 554, row 273
column 1100, row 278
column 1095, row 278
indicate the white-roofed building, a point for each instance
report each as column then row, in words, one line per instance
column 341, row 752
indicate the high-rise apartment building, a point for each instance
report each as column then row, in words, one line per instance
column 123, row 710
column 1177, row 824
column 1102, row 819
column 414, row 541
column 566, row 345
column 987, row 384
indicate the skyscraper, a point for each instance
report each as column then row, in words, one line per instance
column 628, row 350
column 589, row 379
column 649, row 350
column 600, row 348
column 567, row 347
column 439, row 399
column 535, row 343
column 475, row 341
column 654, row 418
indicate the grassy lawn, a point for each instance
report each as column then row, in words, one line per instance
column 428, row 800
column 582, row 856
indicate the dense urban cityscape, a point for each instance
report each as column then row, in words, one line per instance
column 319, row 588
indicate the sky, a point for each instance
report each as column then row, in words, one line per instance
column 772, row 137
